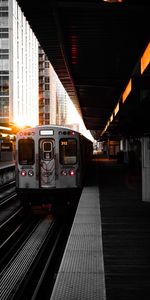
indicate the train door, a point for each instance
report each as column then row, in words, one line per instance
column 47, row 163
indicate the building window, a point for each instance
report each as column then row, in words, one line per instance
column 46, row 64
column 3, row 14
column 4, row 51
column 4, row 72
column 4, row 85
column 3, row 8
column 46, row 87
column 4, row 108
column 47, row 79
column 41, row 79
column 4, row 56
column 47, row 116
column 41, row 57
column 3, row 2
column 41, row 115
column 47, row 100
column 40, row 87
column 41, row 65
column 4, row 29
column 4, row 33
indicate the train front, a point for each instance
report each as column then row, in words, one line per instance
column 47, row 161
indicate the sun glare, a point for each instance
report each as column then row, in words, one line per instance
column 22, row 122
column 75, row 118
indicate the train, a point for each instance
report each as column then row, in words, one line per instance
column 51, row 162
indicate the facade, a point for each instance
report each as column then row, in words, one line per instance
column 52, row 95
column 55, row 106
column 18, row 67
column 47, row 90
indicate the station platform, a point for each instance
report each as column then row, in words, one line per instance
column 7, row 171
column 107, row 255
column 81, row 274
column 5, row 164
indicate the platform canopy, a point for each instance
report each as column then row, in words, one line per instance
column 95, row 48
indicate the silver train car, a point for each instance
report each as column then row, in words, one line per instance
column 50, row 159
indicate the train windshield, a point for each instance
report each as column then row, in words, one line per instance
column 68, row 151
column 26, row 151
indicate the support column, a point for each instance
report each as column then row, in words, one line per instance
column 124, row 148
column 146, row 169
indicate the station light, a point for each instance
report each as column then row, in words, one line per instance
column 113, row 1
column 127, row 91
column 111, row 118
column 116, row 109
column 145, row 59
column 5, row 128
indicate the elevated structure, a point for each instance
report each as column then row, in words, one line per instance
column 95, row 48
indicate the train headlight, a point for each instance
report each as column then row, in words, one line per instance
column 30, row 173
column 64, row 173
column 71, row 172
column 23, row 173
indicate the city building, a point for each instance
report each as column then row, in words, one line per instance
column 52, row 95
column 18, row 67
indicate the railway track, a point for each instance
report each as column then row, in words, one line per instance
column 7, row 191
column 30, row 256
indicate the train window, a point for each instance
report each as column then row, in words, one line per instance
column 47, row 146
column 47, row 150
column 26, row 151
column 68, row 151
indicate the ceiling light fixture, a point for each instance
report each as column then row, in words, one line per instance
column 113, row 1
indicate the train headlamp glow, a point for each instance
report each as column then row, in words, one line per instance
column 64, row 173
column 72, row 132
column 23, row 173
column 30, row 173
column 71, row 172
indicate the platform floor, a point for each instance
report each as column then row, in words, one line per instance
column 5, row 164
column 81, row 273
column 108, row 252
column 126, row 232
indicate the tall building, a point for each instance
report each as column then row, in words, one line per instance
column 18, row 67
column 52, row 95
column 55, row 105
column 47, row 90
